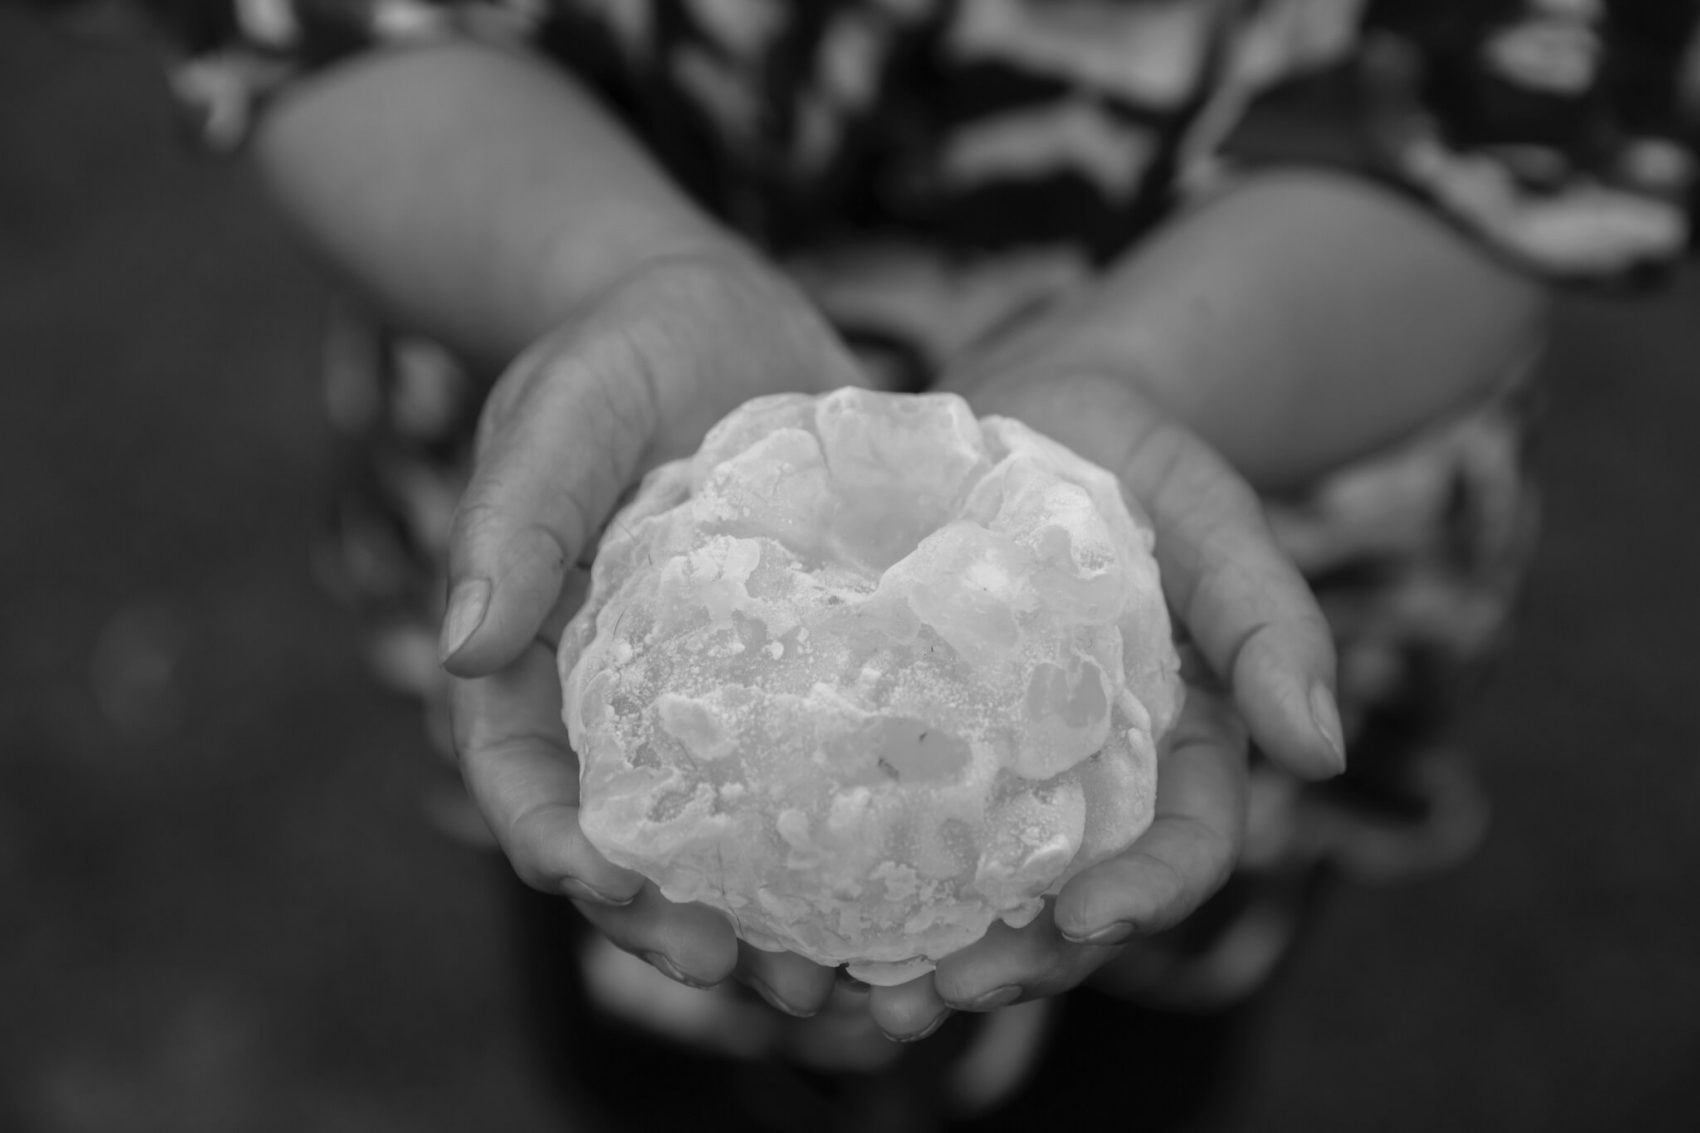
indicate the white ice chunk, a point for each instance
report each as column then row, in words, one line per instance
column 870, row 675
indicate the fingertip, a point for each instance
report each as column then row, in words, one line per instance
column 549, row 850
column 702, row 943
column 1298, row 730
column 466, row 668
column 788, row 982
column 1282, row 687
column 690, row 944
column 982, row 1001
column 1103, row 936
column 617, row 885
column 1325, row 719
column 496, row 613
column 1079, row 916
column 1001, row 966
column 909, row 1011
column 468, row 602
column 476, row 651
column 1096, row 910
column 676, row 972
column 615, row 893
column 927, row 1031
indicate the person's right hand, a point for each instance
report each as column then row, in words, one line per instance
column 635, row 377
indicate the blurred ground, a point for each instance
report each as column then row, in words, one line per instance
column 222, row 909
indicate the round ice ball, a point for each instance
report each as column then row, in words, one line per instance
column 868, row 674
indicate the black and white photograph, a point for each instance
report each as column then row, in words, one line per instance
column 849, row 566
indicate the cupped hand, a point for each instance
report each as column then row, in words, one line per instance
column 635, row 377
column 1267, row 666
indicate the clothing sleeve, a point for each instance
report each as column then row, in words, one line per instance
column 230, row 56
column 1559, row 132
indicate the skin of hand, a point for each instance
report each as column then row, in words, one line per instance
column 638, row 377
column 547, row 478
column 1295, row 323
column 1291, row 325
column 635, row 377
column 1253, row 627
column 492, row 197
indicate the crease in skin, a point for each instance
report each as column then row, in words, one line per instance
column 869, row 675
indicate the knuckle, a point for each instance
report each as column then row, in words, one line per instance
column 626, row 369
column 477, row 520
column 1243, row 647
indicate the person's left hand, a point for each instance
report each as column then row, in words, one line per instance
column 1251, row 618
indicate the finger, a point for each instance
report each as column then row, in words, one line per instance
column 1246, row 607
column 523, row 776
column 692, row 944
column 1244, row 604
column 1184, row 856
column 1011, row 965
column 908, row 1011
column 564, row 431
column 1189, row 849
column 790, row 983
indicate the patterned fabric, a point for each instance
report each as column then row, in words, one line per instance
column 931, row 169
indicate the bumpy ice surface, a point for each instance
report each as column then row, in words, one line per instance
column 868, row 674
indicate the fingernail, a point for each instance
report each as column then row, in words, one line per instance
column 1326, row 716
column 773, row 999
column 662, row 963
column 850, row 983
column 579, row 891
column 923, row 1032
column 467, row 606
column 1113, row 933
column 992, row 1000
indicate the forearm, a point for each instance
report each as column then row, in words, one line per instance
column 470, row 194
column 1296, row 323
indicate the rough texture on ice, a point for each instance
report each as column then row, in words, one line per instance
column 869, row 674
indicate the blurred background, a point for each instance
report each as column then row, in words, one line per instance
column 223, row 907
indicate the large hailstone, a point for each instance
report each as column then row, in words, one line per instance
column 868, row 675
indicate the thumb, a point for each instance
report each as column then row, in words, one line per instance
column 1246, row 606
column 643, row 374
column 565, row 430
